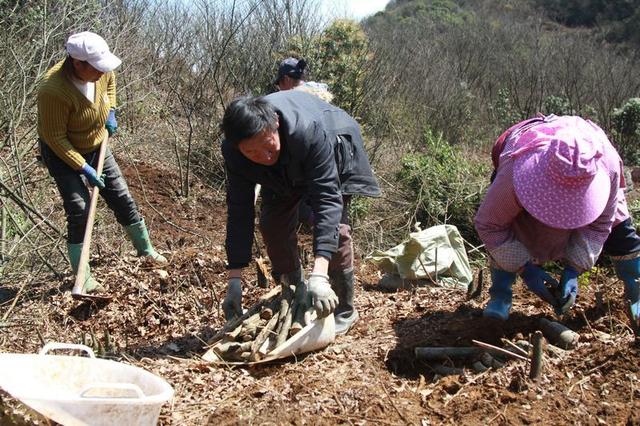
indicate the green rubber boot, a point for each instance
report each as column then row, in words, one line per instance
column 139, row 235
column 90, row 284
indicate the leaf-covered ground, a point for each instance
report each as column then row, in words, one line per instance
column 160, row 320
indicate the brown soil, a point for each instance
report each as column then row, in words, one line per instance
column 369, row 376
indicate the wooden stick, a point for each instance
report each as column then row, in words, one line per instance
column 283, row 334
column 78, row 287
column 425, row 270
column 499, row 350
column 537, row 357
column 231, row 325
column 514, row 346
column 436, row 261
column 285, row 304
column 233, row 335
column 298, row 319
column 224, row 347
column 262, row 337
column 444, row 353
column 249, row 328
column 262, row 272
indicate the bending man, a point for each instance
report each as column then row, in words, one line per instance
column 294, row 145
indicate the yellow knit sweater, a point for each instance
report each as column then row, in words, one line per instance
column 68, row 122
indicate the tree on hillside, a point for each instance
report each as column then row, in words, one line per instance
column 342, row 58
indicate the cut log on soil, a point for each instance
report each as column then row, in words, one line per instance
column 443, row 370
column 558, row 334
column 444, row 353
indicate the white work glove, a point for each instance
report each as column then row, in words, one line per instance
column 232, row 303
column 320, row 295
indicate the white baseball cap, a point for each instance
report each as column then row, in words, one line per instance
column 90, row 47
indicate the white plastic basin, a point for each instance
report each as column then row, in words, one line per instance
column 74, row 390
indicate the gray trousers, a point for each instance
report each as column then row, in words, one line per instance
column 76, row 197
column 278, row 225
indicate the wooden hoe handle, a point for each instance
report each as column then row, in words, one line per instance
column 86, row 242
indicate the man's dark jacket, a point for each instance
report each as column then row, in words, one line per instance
column 322, row 157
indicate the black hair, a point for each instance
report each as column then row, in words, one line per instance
column 246, row 116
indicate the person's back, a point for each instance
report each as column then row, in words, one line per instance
column 557, row 195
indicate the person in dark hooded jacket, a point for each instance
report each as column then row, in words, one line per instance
column 294, row 145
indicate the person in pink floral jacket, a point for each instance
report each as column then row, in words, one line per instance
column 557, row 194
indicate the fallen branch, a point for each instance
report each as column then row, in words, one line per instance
column 514, row 346
column 499, row 350
column 25, row 206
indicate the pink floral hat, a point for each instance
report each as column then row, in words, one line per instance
column 558, row 174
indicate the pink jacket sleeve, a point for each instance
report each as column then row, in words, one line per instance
column 494, row 220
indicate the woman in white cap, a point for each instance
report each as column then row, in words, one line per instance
column 557, row 194
column 76, row 110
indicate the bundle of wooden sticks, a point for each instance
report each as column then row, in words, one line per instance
column 262, row 328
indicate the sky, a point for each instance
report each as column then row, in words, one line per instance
column 357, row 9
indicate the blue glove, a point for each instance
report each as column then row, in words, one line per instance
column 535, row 278
column 111, row 124
column 92, row 176
column 568, row 290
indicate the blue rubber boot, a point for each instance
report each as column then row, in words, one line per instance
column 139, row 236
column 629, row 272
column 500, row 294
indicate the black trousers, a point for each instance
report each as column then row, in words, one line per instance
column 76, row 197
column 623, row 240
column 278, row 225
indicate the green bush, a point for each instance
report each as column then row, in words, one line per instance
column 444, row 185
column 634, row 210
column 558, row 105
column 505, row 113
column 626, row 130
column 343, row 55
